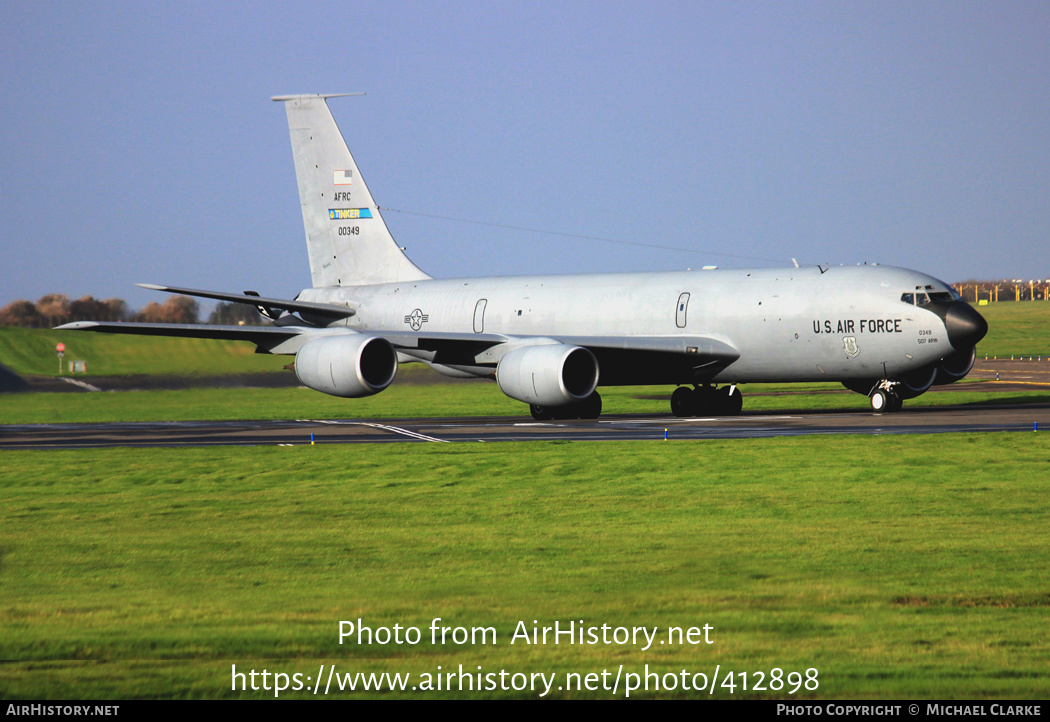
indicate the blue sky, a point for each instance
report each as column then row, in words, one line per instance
column 140, row 144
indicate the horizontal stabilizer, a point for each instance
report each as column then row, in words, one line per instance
column 326, row 310
column 256, row 334
column 268, row 339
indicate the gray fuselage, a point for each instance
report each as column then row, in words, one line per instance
column 786, row 324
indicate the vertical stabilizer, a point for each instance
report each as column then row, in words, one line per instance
column 346, row 237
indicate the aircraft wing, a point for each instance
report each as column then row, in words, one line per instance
column 621, row 359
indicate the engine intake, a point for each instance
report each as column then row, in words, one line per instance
column 955, row 366
column 917, row 382
column 552, row 375
column 350, row 366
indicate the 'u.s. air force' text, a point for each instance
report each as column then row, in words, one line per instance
column 864, row 325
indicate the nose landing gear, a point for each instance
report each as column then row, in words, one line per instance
column 885, row 398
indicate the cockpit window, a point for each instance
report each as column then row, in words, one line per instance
column 921, row 298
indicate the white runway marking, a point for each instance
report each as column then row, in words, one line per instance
column 384, row 427
column 81, row 384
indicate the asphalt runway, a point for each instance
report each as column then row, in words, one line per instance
column 984, row 418
column 1014, row 413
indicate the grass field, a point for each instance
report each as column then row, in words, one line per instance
column 149, row 573
column 1021, row 329
column 408, row 400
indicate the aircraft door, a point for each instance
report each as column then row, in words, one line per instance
column 479, row 316
column 680, row 313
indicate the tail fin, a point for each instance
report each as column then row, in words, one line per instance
column 348, row 242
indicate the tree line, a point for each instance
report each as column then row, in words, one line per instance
column 56, row 308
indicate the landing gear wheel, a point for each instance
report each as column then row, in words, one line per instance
column 879, row 401
column 683, row 401
column 591, row 407
column 541, row 413
column 730, row 401
column 883, row 401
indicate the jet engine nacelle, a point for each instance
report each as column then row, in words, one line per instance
column 956, row 366
column 351, row 365
column 552, row 375
column 917, row 382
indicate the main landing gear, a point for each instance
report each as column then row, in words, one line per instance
column 589, row 408
column 699, row 400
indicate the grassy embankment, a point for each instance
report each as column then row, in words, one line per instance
column 31, row 352
column 148, row 573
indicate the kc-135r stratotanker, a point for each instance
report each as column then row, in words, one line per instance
column 551, row 341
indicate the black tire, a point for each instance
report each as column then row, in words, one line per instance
column 683, row 402
column 730, row 400
column 541, row 413
column 592, row 407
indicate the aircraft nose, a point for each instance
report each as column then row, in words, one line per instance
column 965, row 326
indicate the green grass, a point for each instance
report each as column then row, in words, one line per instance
column 32, row 353
column 1016, row 329
column 475, row 398
column 462, row 399
column 894, row 571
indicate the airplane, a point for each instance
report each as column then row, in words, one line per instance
column 550, row 341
